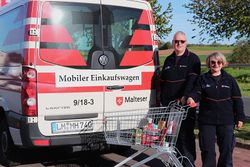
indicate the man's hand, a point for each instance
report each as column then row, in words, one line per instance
column 191, row 102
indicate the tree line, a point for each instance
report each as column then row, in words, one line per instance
column 217, row 18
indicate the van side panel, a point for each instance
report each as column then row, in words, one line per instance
column 11, row 59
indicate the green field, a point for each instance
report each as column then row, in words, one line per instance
column 242, row 75
column 243, row 133
column 203, row 57
column 211, row 48
column 202, row 49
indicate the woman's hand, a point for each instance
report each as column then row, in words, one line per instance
column 239, row 124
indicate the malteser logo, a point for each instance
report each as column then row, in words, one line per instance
column 119, row 100
column 130, row 99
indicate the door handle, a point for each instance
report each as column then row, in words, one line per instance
column 115, row 87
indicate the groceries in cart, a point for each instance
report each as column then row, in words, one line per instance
column 157, row 131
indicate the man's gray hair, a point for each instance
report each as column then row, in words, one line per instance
column 180, row 32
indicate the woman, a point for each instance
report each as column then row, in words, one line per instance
column 221, row 107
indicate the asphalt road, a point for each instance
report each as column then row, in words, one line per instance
column 62, row 158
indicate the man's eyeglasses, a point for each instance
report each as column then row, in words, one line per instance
column 179, row 41
column 215, row 62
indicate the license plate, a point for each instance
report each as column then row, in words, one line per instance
column 72, row 126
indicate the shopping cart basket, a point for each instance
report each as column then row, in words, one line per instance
column 156, row 128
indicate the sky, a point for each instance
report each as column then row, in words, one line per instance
column 180, row 23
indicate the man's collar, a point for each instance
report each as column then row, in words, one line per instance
column 186, row 53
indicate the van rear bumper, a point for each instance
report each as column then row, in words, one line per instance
column 29, row 132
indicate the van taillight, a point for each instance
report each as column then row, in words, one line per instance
column 29, row 91
column 41, row 142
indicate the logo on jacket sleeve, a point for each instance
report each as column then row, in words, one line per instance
column 225, row 86
column 119, row 100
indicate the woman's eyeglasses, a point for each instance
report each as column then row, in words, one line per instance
column 215, row 62
column 179, row 41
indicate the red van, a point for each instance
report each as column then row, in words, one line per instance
column 65, row 63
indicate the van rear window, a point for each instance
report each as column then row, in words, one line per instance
column 72, row 34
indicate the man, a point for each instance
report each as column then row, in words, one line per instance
column 179, row 73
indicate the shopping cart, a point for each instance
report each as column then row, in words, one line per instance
column 156, row 128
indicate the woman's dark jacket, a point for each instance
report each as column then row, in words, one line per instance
column 220, row 101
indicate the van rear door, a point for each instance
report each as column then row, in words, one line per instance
column 68, row 100
column 128, row 33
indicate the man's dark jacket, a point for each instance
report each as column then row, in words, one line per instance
column 178, row 77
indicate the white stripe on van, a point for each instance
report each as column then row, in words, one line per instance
column 32, row 20
column 31, row 45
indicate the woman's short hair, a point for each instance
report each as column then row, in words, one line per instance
column 218, row 56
